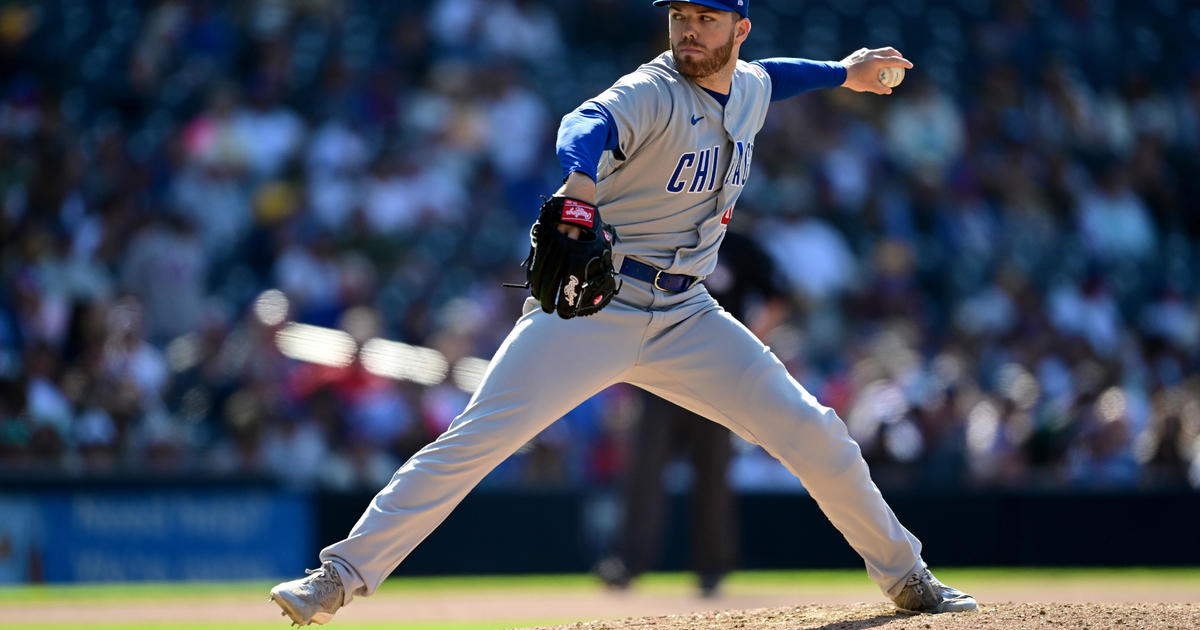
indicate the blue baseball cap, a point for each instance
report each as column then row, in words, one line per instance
column 741, row 7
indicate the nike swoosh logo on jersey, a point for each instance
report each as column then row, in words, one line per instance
column 696, row 119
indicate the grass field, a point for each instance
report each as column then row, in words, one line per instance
column 477, row 603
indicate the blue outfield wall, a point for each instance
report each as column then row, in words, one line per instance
column 99, row 535
column 98, row 531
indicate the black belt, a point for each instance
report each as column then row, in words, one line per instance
column 663, row 281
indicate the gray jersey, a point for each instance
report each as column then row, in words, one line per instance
column 686, row 160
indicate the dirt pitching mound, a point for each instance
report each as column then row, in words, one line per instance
column 885, row 617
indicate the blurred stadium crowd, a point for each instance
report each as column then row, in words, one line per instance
column 991, row 272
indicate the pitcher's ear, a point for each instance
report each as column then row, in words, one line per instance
column 742, row 29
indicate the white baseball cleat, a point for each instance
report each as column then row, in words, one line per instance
column 923, row 593
column 311, row 599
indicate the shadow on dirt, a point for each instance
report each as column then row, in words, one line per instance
column 863, row 624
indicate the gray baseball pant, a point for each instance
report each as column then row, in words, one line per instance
column 681, row 346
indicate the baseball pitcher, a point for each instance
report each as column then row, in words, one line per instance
column 653, row 168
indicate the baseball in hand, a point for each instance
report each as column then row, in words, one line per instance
column 891, row 77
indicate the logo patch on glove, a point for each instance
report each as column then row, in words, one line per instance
column 571, row 276
column 569, row 290
column 578, row 213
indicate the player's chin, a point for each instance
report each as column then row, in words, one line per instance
column 693, row 71
column 691, row 66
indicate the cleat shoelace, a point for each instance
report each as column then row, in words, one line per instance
column 922, row 585
column 319, row 594
column 323, row 581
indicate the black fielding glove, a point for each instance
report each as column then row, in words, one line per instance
column 572, row 277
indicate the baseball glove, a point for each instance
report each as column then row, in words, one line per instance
column 572, row 277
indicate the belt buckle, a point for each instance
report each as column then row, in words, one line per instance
column 656, row 285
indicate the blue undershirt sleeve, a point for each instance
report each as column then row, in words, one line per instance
column 583, row 136
column 791, row 76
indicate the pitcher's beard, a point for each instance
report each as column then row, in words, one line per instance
column 710, row 64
